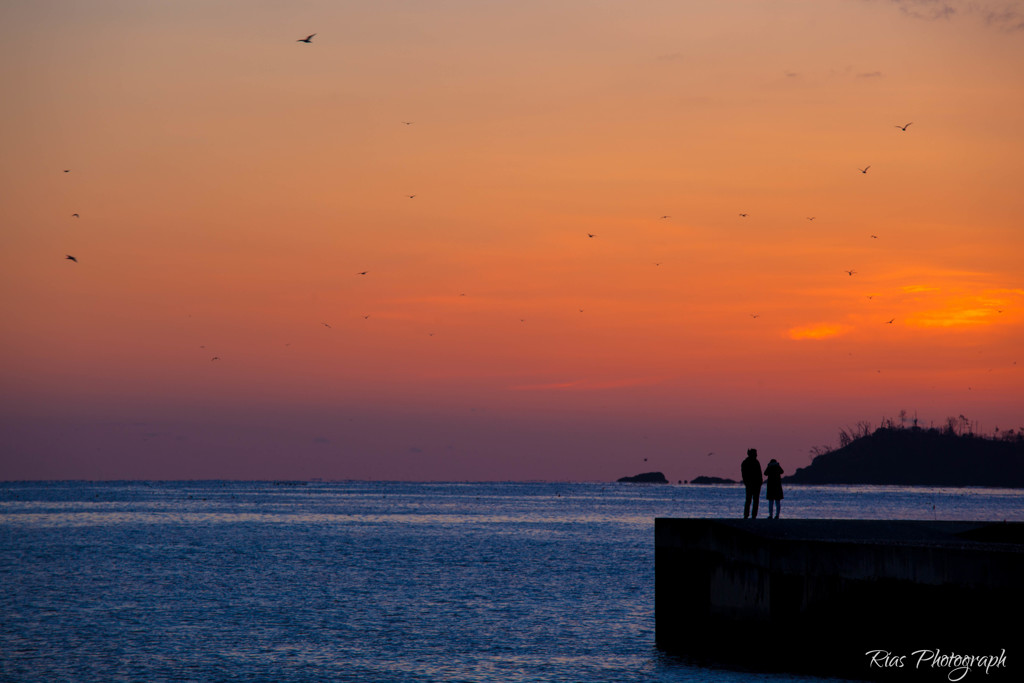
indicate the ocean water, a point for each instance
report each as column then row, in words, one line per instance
column 369, row 581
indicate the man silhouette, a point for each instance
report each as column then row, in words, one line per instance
column 752, row 480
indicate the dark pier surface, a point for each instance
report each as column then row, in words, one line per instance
column 867, row 599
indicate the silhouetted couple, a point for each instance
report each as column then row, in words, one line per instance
column 752, row 480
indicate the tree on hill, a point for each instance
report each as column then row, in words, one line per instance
column 911, row 456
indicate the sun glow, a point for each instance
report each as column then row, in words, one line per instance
column 820, row 331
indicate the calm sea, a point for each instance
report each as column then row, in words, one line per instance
column 368, row 581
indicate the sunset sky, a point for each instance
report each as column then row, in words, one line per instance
column 231, row 184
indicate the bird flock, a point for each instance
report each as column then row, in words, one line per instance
column 308, row 40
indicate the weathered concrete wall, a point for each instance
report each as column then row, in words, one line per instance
column 819, row 595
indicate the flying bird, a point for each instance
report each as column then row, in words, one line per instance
column 663, row 217
column 903, row 128
column 74, row 215
column 874, row 237
column 850, row 272
column 811, row 218
column 67, row 170
column 362, row 272
column 864, row 170
column 743, row 215
column 215, row 358
column 411, row 196
column 71, row 258
column 755, row 315
column 307, row 39
column 366, row 317
column 408, row 123
column 590, row 234
column 325, row 325
column 890, row 322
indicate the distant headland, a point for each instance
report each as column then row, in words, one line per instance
column 897, row 455
column 645, row 478
column 713, row 480
column 911, row 456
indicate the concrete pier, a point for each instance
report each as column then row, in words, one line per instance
column 867, row 599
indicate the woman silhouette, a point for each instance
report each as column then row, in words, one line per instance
column 773, row 473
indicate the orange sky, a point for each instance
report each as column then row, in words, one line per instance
column 231, row 183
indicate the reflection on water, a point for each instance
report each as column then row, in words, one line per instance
column 87, row 503
column 86, row 518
